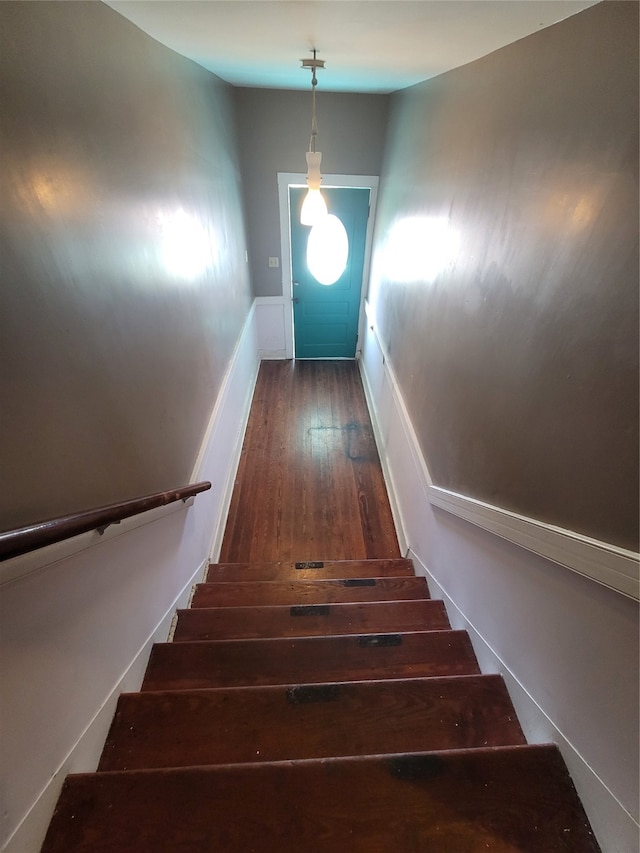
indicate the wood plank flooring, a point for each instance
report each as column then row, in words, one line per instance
column 314, row 698
column 309, row 484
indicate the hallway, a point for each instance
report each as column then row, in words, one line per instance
column 314, row 697
column 145, row 229
column 309, row 484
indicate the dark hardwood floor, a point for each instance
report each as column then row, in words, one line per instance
column 309, row 484
column 327, row 707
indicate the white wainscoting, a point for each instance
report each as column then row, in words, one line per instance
column 565, row 642
column 79, row 618
column 603, row 562
column 274, row 326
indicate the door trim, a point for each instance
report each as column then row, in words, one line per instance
column 299, row 179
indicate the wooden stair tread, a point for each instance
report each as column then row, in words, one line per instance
column 286, row 570
column 324, row 591
column 310, row 620
column 503, row 800
column 234, row 663
column 187, row 728
column 266, row 740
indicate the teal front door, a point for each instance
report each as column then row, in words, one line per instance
column 325, row 317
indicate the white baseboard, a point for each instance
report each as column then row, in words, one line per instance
column 537, row 725
column 605, row 563
column 220, row 453
column 392, row 492
column 273, row 355
column 565, row 643
column 162, row 552
column 84, row 756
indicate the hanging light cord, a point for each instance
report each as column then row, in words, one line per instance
column 314, row 123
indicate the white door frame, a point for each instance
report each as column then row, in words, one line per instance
column 299, row 179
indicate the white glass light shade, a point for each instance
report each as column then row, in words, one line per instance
column 314, row 208
column 314, row 178
column 328, row 249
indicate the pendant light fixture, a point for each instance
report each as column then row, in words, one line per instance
column 314, row 206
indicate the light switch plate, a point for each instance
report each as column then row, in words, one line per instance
column 274, row 262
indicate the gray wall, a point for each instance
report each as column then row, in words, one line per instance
column 274, row 129
column 112, row 351
column 518, row 360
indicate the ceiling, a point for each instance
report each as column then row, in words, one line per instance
column 368, row 45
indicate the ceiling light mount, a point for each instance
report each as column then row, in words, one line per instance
column 313, row 64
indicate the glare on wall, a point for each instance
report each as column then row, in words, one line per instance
column 188, row 247
column 419, row 248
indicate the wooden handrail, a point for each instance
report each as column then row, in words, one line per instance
column 13, row 543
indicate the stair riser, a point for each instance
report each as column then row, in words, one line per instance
column 310, row 620
column 326, row 569
column 274, row 593
column 276, row 724
column 259, row 770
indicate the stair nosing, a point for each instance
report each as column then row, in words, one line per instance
column 548, row 746
column 317, row 560
column 338, row 604
column 319, row 637
column 315, row 580
column 273, row 687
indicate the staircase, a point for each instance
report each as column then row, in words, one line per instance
column 319, row 707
